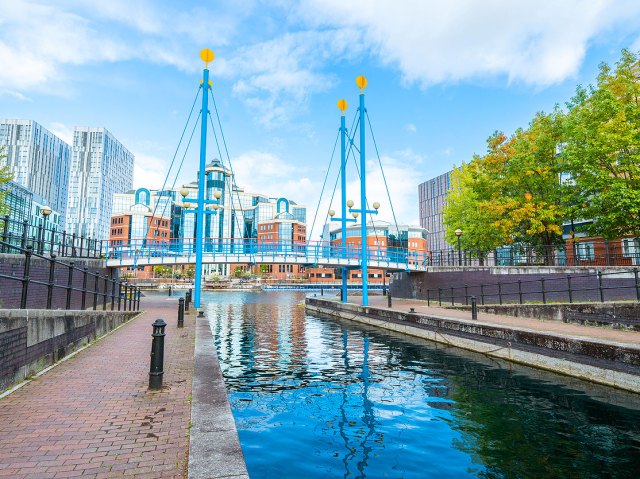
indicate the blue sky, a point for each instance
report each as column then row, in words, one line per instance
column 443, row 76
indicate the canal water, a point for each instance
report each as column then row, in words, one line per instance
column 317, row 397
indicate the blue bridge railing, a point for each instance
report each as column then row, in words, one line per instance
column 256, row 251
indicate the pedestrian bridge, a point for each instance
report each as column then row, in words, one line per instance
column 215, row 251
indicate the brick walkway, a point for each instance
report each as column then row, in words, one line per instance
column 550, row 326
column 93, row 417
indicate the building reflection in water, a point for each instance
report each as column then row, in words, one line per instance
column 317, row 397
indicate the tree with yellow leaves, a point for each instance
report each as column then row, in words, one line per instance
column 512, row 193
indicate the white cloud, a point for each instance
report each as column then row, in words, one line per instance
column 62, row 131
column 15, row 94
column 431, row 42
column 279, row 75
column 410, row 127
column 261, row 172
column 148, row 171
column 401, row 170
column 39, row 40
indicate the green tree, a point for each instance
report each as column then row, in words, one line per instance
column 160, row 271
column 190, row 272
column 602, row 150
column 512, row 193
column 5, row 177
column 238, row 272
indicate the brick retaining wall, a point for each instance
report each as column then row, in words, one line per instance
column 439, row 281
column 31, row 340
column 11, row 290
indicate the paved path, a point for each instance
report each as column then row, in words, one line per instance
column 93, row 417
column 550, row 326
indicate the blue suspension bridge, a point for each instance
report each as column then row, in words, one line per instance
column 242, row 250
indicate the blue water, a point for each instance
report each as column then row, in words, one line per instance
column 318, row 397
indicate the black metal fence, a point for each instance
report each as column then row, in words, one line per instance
column 600, row 252
column 97, row 290
column 598, row 286
column 46, row 240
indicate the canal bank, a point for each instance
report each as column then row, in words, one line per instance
column 214, row 448
column 601, row 355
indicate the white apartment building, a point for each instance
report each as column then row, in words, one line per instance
column 39, row 161
column 100, row 167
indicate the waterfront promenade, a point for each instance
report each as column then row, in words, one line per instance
column 92, row 415
column 595, row 333
column 598, row 354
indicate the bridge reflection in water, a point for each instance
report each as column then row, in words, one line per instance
column 318, row 397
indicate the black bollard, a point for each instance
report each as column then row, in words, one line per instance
column 384, row 291
column 169, row 290
column 321, row 291
column 389, row 299
column 474, row 308
column 157, row 355
column 181, row 312
column 187, row 300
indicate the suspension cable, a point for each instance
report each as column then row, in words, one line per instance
column 195, row 125
column 227, row 180
column 354, row 127
column 224, row 142
column 175, row 154
column 355, row 162
column 324, row 183
column 383, row 175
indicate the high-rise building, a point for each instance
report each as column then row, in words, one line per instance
column 100, row 167
column 39, row 161
column 431, row 198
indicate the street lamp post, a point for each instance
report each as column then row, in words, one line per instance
column 458, row 233
column 205, row 207
column 342, row 106
column 45, row 211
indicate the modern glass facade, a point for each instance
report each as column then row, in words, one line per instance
column 100, row 167
column 39, row 161
column 431, row 198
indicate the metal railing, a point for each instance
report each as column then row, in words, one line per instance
column 258, row 251
column 47, row 240
column 96, row 288
column 570, row 288
column 572, row 253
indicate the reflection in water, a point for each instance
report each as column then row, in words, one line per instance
column 317, row 397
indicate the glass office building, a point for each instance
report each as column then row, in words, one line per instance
column 431, row 199
column 100, row 167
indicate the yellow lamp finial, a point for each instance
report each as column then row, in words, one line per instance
column 207, row 56
column 361, row 81
column 342, row 106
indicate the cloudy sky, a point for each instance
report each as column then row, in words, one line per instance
column 443, row 75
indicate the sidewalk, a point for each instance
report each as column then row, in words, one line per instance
column 92, row 415
column 597, row 333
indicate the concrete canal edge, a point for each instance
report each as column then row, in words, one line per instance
column 214, row 447
column 599, row 361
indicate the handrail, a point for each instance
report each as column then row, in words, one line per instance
column 47, row 240
column 101, row 283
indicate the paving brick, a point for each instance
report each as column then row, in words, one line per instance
column 92, row 416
